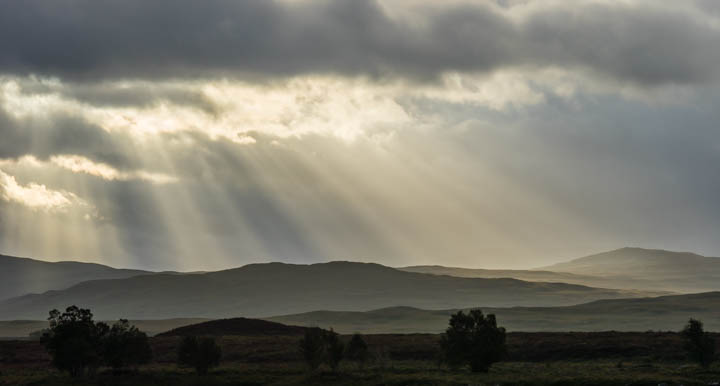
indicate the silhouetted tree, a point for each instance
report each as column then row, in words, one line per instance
column 357, row 350
column 699, row 344
column 473, row 340
column 74, row 340
column 201, row 354
column 334, row 349
column 312, row 347
column 124, row 345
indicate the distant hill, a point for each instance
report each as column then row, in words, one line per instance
column 527, row 275
column 651, row 268
column 261, row 290
column 20, row 276
column 625, row 268
column 534, row 275
column 666, row 313
column 236, row 326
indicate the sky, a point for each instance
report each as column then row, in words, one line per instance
column 201, row 135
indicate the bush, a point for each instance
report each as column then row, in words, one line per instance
column 124, row 346
column 78, row 344
column 357, row 350
column 334, row 349
column 472, row 340
column 312, row 347
column 74, row 340
column 699, row 345
column 201, row 354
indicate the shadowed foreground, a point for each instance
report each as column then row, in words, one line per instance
column 608, row 358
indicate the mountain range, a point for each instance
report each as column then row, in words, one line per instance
column 624, row 268
column 31, row 288
column 262, row 290
column 20, row 276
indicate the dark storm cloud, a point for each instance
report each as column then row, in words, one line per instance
column 89, row 39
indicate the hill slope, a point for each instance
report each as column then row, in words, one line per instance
column 653, row 268
column 20, row 276
column 658, row 313
column 259, row 290
column 538, row 275
column 236, row 327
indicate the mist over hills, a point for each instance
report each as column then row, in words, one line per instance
column 20, row 276
column 530, row 275
column 625, row 268
column 262, row 290
column 640, row 262
column 665, row 313
column 649, row 268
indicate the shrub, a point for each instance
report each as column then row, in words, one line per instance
column 74, row 340
column 357, row 350
column 699, row 345
column 124, row 346
column 473, row 340
column 201, row 354
column 382, row 358
column 312, row 347
column 334, row 349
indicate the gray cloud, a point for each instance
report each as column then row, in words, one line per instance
column 86, row 39
column 64, row 134
column 574, row 174
column 109, row 94
column 558, row 180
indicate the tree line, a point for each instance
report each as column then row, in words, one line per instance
column 79, row 345
column 471, row 340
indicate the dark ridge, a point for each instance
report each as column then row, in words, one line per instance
column 237, row 327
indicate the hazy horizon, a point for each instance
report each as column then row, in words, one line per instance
column 513, row 134
column 499, row 268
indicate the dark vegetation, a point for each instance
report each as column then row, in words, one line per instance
column 319, row 346
column 77, row 344
column 608, row 358
column 473, row 340
column 472, row 343
column 699, row 344
column 125, row 346
column 357, row 350
column 202, row 354
column 312, row 348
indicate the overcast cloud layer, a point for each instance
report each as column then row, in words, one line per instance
column 638, row 41
column 204, row 135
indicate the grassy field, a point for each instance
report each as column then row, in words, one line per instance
column 610, row 358
column 396, row 373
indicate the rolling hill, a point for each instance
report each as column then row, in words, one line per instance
column 536, row 275
column 20, row 276
column 667, row 313
column 236, row 327
column 262, row 290
column 649, row 268
column 625, row 268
